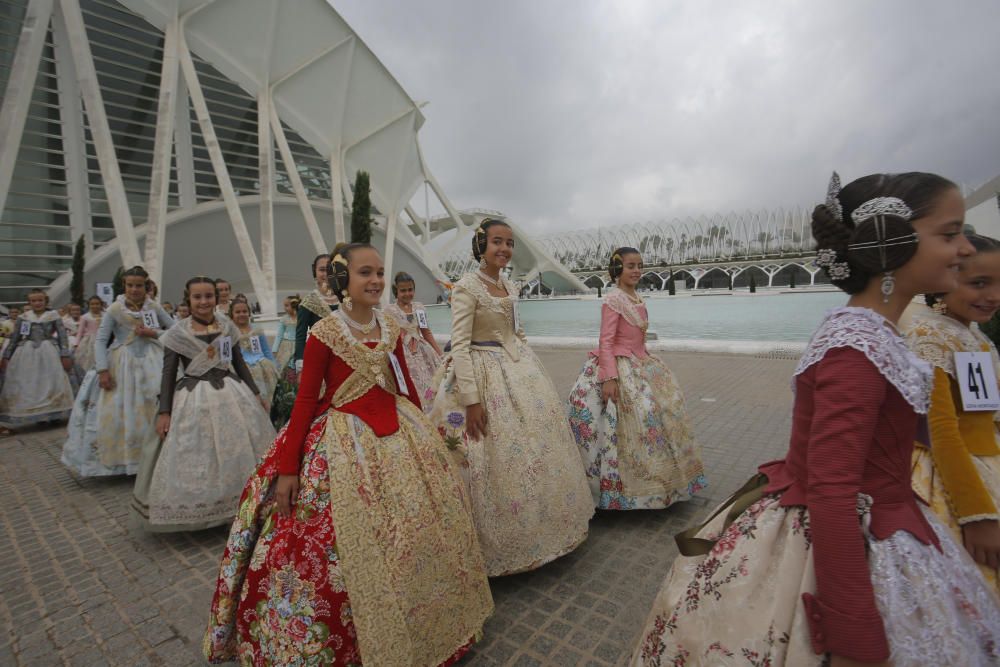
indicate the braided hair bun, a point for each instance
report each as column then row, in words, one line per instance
column 617, row 262
column 481, row 237
column 337, row 275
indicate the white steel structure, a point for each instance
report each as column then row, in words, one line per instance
column 196, row 137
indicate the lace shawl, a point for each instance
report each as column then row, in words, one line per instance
column 498, row 304
column 871, row 334
column 371, row 366
column 406, row 321
column 127, row 319
column 619, row 302
column 315, row 303
column 936, row 338
column 44, row 318
column 204, row 356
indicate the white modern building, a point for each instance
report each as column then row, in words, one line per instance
column 207, row 137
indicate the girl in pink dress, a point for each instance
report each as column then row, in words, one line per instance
column 627, row 411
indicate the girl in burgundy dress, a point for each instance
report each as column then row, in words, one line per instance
column 827, row 555
column 354, row 541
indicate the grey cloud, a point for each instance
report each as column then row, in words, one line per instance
column 574, row 114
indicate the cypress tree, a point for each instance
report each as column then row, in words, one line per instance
column 118, row 282
column 76, row 282
column 671, row 287
column 753, row 283
column 361, row 212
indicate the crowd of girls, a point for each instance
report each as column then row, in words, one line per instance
column 366, row 529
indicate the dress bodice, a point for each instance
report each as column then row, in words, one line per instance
column 33, row 329
column 118, row 327
column 623, row 332
column 359, row 379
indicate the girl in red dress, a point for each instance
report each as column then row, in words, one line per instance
column 827, row 557
column 354, row 541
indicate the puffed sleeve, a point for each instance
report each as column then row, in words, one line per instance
column 317, row 359
column 463, row 316
column 411, row 389
column 606, row 366
column 967, row 495
column 101, row 342
column 842, row 616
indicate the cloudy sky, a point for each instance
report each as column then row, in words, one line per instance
column 572, row 114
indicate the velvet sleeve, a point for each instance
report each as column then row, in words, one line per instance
column 463, row 316
column 101, row 341
column 848, row 397
column 305, row 320
column 967, row 495
column 606, row 366
column 411, row 389
column 243, row 371
column 168, row 380
column 318, row 358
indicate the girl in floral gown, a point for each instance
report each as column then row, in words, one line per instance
column 114, row 415
column 827, row 557
column 423, row 356
column 497, row 405
column 254, row 348
column 353, row 543
column 36, row 387
column 627, row 411
column 959, row 475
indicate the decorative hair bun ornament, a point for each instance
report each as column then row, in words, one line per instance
column 826, row 258
column 833, row 198
column 877, row 209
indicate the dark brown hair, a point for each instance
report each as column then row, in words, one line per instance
column 617, row 262
column 337, row 275
column 479, row 239
column 982, row 244
column 918, row 190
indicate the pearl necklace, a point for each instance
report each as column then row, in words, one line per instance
column 363, row 328
column 496, row 283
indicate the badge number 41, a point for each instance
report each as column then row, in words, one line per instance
column 977, row 380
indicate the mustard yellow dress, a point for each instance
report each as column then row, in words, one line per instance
column 959, row 474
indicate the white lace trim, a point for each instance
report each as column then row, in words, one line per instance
column 619, row 302
column 871, row 334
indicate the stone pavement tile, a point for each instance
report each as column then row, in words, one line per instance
column 80, row 586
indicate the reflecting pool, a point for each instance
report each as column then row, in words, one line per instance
column 765, row 316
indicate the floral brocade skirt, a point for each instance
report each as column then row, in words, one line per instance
column 741, row 604
column 265, row 376
column 529, row 493
column 378, row 564
column 108, row 430
column 927, row 484
column 423, row 362
column 640, row 452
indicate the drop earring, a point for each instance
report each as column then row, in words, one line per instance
column 348, row 303
column 482, row 264
column 888, row 285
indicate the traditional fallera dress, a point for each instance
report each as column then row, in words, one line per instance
column 959, row 474
column 530, row 498
column 312, row 309
column 259, row 359
column 83, row 353
column 379, row 563
column 284, row 344
column 640, row 452
column 109, row 430
column 420, row 355
column 36, row 388
column 836, row 554
column 218, row 429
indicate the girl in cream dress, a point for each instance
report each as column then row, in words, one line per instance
column 423, row 355
column 498, row 407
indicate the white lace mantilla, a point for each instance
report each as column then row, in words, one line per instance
column 633, row 312
column 871, row 334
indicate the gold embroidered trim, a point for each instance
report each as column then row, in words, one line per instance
column 371, row 365
column 407, row 546
column 498, row 304
column 315, row 304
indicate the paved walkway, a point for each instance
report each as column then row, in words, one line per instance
column 78, row 586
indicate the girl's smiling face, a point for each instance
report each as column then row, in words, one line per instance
column 977, row 296
column 631, row 270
